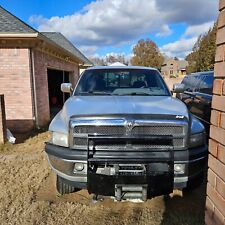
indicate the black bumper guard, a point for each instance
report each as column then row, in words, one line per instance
column 157, row 178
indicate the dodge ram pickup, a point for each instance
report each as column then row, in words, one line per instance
column 122, row 134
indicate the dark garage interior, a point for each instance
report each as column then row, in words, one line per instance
column 56, row 97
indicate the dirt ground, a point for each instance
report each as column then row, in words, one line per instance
column 28, row 196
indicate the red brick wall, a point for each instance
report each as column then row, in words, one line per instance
column 15, row 85
column 42, row 62
column 215, row 202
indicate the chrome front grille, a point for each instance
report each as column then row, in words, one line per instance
column 81, row 129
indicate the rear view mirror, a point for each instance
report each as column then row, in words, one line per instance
column 178, row 88
column 66, row 87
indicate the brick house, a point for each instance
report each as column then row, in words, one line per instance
column 174, row 68
column 32, row 67
column 215, row 201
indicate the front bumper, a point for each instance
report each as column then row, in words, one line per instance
column 160, row 179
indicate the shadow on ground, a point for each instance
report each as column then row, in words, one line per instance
column 176, row 209
column 22, row 137
column 187, row 209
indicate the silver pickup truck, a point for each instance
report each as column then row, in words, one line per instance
column 122, row 134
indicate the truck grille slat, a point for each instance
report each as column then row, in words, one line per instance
column 119, row 130
column 157, row 130
column 100, row 130
column 82, row 143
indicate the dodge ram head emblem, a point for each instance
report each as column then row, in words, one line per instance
column 129, row 127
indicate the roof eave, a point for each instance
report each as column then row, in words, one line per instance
column 43, row 38
column 49, row 41
column 86, row 65
column 19, row 35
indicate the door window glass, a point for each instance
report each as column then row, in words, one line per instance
column 206, row 85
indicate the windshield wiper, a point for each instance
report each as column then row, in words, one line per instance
column 94, row 93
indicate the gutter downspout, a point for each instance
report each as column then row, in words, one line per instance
column 33, row 88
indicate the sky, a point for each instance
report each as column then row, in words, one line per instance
column 103, row 27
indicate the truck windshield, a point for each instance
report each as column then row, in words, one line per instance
column 122, row 82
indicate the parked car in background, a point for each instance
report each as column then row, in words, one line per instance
column 196, row 93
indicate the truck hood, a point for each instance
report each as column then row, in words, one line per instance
column 103, row 105
column 116, row 105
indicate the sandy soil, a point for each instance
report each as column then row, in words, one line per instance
column 28, row 196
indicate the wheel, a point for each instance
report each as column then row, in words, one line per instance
column 64, row 187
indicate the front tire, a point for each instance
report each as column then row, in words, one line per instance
column 63, row 187
column 194, row 184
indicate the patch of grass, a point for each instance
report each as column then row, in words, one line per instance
column 6, row 147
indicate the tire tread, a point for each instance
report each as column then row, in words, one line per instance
column 64, row 188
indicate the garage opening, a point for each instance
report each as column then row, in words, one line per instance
column 56, row 97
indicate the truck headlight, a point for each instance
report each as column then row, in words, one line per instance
column 197, row 140
column 60, row 139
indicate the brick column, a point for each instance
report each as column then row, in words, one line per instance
column 2, row 120
column 215, row 201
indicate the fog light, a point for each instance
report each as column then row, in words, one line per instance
column 78, row 167
column 179, row 168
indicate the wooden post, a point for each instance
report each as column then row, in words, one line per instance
column 2, row 120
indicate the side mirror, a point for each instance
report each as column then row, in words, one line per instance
column 178, row 88
column 66, row 87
